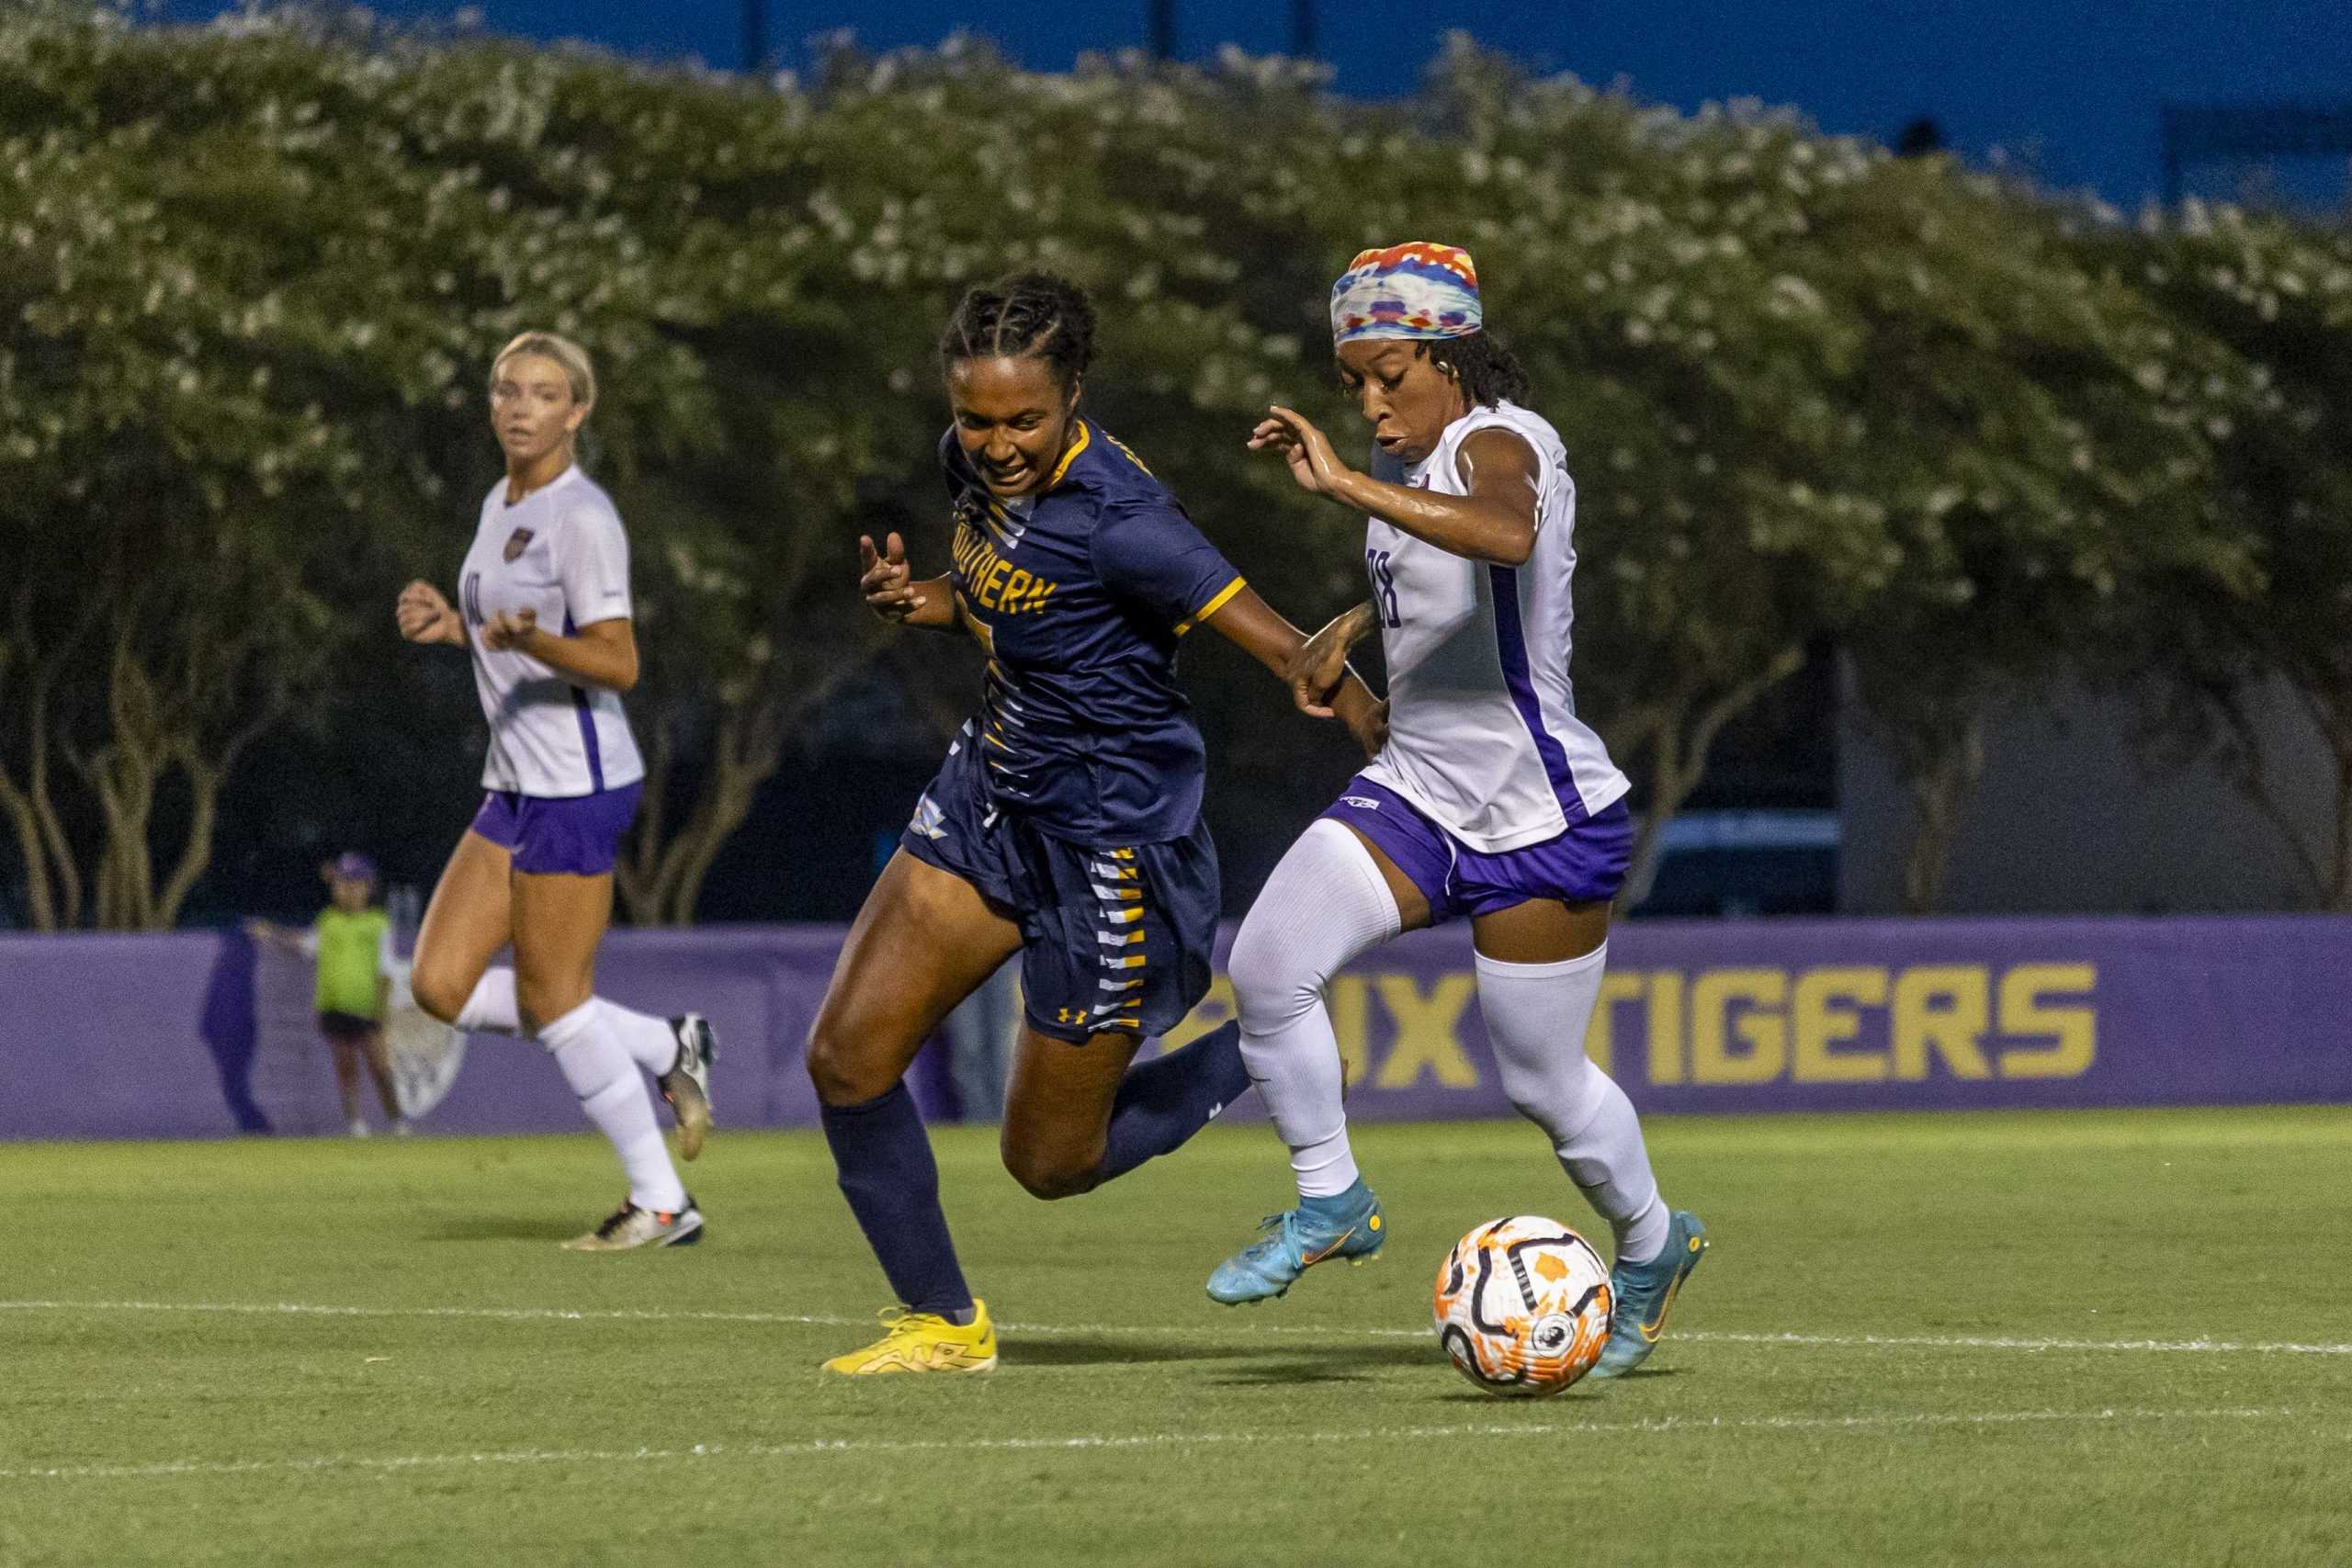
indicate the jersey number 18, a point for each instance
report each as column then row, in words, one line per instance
column 1384, row 588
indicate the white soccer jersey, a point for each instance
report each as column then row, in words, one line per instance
column 1483, row 733
column 558, row 551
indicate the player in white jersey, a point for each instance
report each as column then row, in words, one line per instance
column 1490, row 800
column 544, row 608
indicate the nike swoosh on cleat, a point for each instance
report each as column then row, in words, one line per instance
column 1652, row 1329
column 1309, row 1259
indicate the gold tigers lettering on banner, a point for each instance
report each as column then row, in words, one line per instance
column 1737, row 1026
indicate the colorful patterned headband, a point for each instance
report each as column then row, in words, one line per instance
column 1414, row 290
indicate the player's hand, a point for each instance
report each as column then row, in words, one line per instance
column 425, row 616
column 1307, row 450
column 1318, row 669
column 510, row 631
column 1368, row 724
column 883, row 578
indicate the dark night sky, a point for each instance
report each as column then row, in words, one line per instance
column 2069, row 87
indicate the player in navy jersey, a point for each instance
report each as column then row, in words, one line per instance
column 1063, row 824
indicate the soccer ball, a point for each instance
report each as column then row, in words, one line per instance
column 1522, row 1306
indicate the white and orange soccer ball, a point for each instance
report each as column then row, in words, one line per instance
column 1522, row 1306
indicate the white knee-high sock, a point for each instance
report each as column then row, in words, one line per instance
column 611, row 1090
column 648, row 1040
column 1324, row 903
column 491, row 1011
column 1536, row 1016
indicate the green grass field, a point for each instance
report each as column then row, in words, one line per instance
column 2051, row 1338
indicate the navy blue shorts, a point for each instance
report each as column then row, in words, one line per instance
column 569, row 835
column 1583, row 865
column 1115, row 938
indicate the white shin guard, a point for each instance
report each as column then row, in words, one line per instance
column 598, row 1066
column 492, row 1009
column 1536, row 1018
column 1324, row 903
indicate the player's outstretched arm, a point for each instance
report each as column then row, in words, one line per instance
column 425, row 616
column 892, row 594
column 1320, row 665
column 1494, row 522
column 1251, row 624
column 282, row 938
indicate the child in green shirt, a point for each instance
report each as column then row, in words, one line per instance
column 352, row 943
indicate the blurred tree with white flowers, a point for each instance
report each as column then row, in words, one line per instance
column 1814, row 397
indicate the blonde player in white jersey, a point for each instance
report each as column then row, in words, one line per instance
column 1490, row 800
column 544, row 607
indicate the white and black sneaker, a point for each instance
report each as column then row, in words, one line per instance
column 631, row 1226
column 686, row 1086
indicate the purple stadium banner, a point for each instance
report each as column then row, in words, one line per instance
column 191, row 1036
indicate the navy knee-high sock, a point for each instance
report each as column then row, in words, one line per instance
column 893, row 1185
column 1168, row 1099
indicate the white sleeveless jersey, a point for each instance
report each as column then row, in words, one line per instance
column 558, row 551
column 1483, row 733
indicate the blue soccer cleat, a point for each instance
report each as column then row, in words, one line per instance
column 1349, row 1226
column 1643, row 1293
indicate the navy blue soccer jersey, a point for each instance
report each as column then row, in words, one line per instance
column 1079, row 594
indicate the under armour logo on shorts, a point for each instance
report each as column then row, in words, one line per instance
column 929, row 820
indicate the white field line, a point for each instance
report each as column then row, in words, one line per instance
column 1093, row 1441
column 2009, row 1342
column 1187, row 1331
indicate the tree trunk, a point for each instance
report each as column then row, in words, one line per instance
column 18, row 801
column 664, row 877
column 149, row 734
column 1670, row 786
column 721, row 810
column 1940, row 779
column 2253, row 783
column 204, row 781
column 52, row 871
column 125, row 785
column 2335, row 723
column 38, row 905
column 637, row 872
column 67, row 865
column 1678, row 761
column 2339, row 892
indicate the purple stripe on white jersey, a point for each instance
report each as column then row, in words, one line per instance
column 1510, row 642
column 587, row 721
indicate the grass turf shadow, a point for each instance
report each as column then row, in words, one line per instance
column 1580, row 1392
column 1333, row 1363
column 1099, row 1349
column 500, row 1227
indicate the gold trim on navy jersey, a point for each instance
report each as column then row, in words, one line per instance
column 1084, row 440
column 1216, row 601
column 1081, row 723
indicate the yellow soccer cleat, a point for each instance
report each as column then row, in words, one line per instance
column 925, row 1342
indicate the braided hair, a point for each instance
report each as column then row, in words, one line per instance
column 1030, row 315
